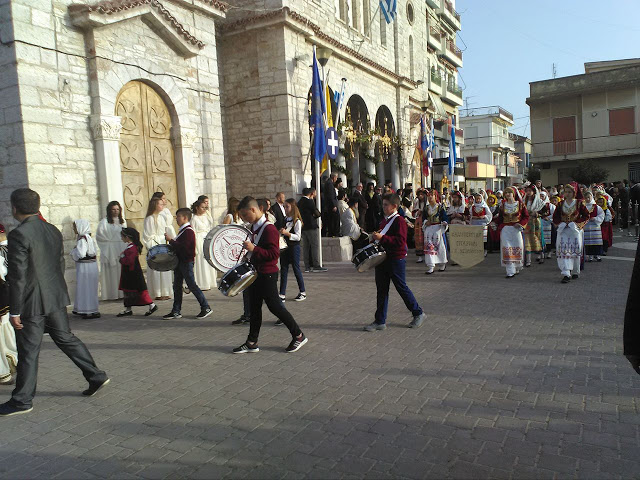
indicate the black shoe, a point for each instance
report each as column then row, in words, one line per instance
column 128, row 313
column 574, row 276
column 73, row 312
column 8, row 409
column 204, row 313
column 94, row 387
column 246, row 348
column 241, row 321
column 318, row 269
column 296, row 343
column 172, row 316
column 511, row 276
column 89, row 316
column 151, row 310
column 278, row 323
column 566, row 279
column 301, row 297
column 307, row 270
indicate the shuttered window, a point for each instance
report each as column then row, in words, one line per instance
column 622, row 121
column 564, row 135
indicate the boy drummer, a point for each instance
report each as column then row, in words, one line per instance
column 264, row 251
column 393, row 237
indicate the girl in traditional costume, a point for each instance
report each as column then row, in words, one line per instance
column 546, row 218
column 156, row 224
column 84, row 254
column 493, row 236
column 419, row 205
column 593, row 229
column 434, row 227
column 8, row 346
column 512, row 218
column 132, row 281
column 458, row 212
column 533, row 231
column 111, row 246
column 570, row 217
column 606, row 227
column 480, row 214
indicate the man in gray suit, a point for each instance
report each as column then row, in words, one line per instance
column 38, row 301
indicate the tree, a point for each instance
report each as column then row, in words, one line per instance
column 588, row 172
column 533, row 174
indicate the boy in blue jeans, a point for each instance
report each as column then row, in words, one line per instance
column 393, row 237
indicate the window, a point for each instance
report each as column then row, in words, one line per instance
column 622, row 121
column 355, row 14
column 472, row 159
column 366, row 18
column 342, row 10
column 410, row 13
column 564, row 135
column 634, row 171
column 383, row 30
column 411, row 69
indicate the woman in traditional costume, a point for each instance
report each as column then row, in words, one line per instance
column 480, row 214
column 546, row 218
column 607, row 226
column 132, row 281
column 434, row 227
column 8, row 346
column 458, row 212
column 512, row 218
column 593, row 229
column 202, row 223
column 533, row 230
column 84, row 254
column 155, row 226
column 111, row 246
column 493, row 236
column 419, row 204
column 570, row 217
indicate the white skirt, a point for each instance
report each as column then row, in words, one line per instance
column 568, row 243
column 481, row 221
column 159, row 284
column 86, row 300
column 110, row 281
column 435, row 246
column 204, row 273
column 8, row 348
column 511, row 246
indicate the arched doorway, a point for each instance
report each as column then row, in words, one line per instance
column 146, row 152
column 386, row 130
column 357, row 124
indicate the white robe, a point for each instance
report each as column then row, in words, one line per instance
column 159, row 284
column 8, row 347
column 204, row 273
column 111, row 246
column 86, row 298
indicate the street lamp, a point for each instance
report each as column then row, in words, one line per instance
column 323, row 54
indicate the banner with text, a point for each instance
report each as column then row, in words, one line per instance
column 466, row 244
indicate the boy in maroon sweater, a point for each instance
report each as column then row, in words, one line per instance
column 264, row 251
column 184, row 246
column 393, row 237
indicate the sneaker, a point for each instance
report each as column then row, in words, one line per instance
column 279, row 323
column 282, row 298
column 375, row 326
column 151, row 310
column 204, row 313
column 7, row 410
column 307, row 270
column 598, row 259
column 246, row 348
column 296, row 343
column 420, row 260
column 417, row 321
column 172, row 316
column 242, row 320
column 301, row 297
column 318, row 270
column 574, row 276
column 566, row 279
column 94, row 387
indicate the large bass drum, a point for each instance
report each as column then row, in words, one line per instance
column 162, row 258
column 369, row 257
column 238, row 279
column 223, row 246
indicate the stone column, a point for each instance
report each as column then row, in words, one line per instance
column 370, row 167
column 188, row 189
column 340, row 161
column 380, row 172
column 355, row 167
column 395, row 170
column 106, row 136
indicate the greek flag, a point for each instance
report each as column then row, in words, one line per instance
column 452, row 150
column 389, row 9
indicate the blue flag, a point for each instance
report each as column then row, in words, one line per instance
column 389, row 9
column 452, row 150
column 317, row 111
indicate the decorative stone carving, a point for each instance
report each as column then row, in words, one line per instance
column 183, row 138
column 106, row 127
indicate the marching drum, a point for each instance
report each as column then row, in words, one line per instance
column 238, row 279
column 161, row 258
column 223, row 246
column 369, row 257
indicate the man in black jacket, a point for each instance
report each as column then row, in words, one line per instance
column 38, row 301
column 310, row 215
column 362, row 205
column 330, row 207
column 278, row 211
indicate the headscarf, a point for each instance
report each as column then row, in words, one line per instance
column 537, row 203
column 463, row 204
column 603, row 196
column 84, row 232
column 516, row 194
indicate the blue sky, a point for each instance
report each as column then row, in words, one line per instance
column 510, row 43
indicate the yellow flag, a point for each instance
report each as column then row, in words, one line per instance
column 325, row 160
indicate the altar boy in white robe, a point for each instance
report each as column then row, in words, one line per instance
column 84, row 254
column 8, row 348
column 111, row 246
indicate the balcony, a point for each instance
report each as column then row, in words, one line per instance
column 452, row 53
column 435, row 84
column 434, row 39
column 435, row 4
column 564, row 148
column 480, row 170
column 449, row 14
column 452, row 95
column 502, row 141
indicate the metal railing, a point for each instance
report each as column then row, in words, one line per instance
column 562, row 148
column 449, row 6
column 454, row 49
column 436, row 78
column 453, row 88
column 434, row 32
column 492, row 110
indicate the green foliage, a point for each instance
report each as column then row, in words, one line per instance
column 533, row 174
column 371, row 176
column 588, row 172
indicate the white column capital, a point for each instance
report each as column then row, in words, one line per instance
column 106, row 127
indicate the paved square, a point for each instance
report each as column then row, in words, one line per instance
column 520, row 378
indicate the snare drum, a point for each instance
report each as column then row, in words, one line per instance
column 223, row 246
column 238, row 279
column 161, row 258
column 369, row 257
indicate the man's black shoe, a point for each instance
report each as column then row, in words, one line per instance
column 566, row 279
column 318, row 269
column 8, row 409
column 204, row 313
column 94, row 387
column 241, row 321
column 574, row 276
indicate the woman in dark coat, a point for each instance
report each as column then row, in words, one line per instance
column 374, row 208
column 632, row 317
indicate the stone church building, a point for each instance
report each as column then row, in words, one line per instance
column 114, row 100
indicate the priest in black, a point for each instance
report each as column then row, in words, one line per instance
column 631, row 335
